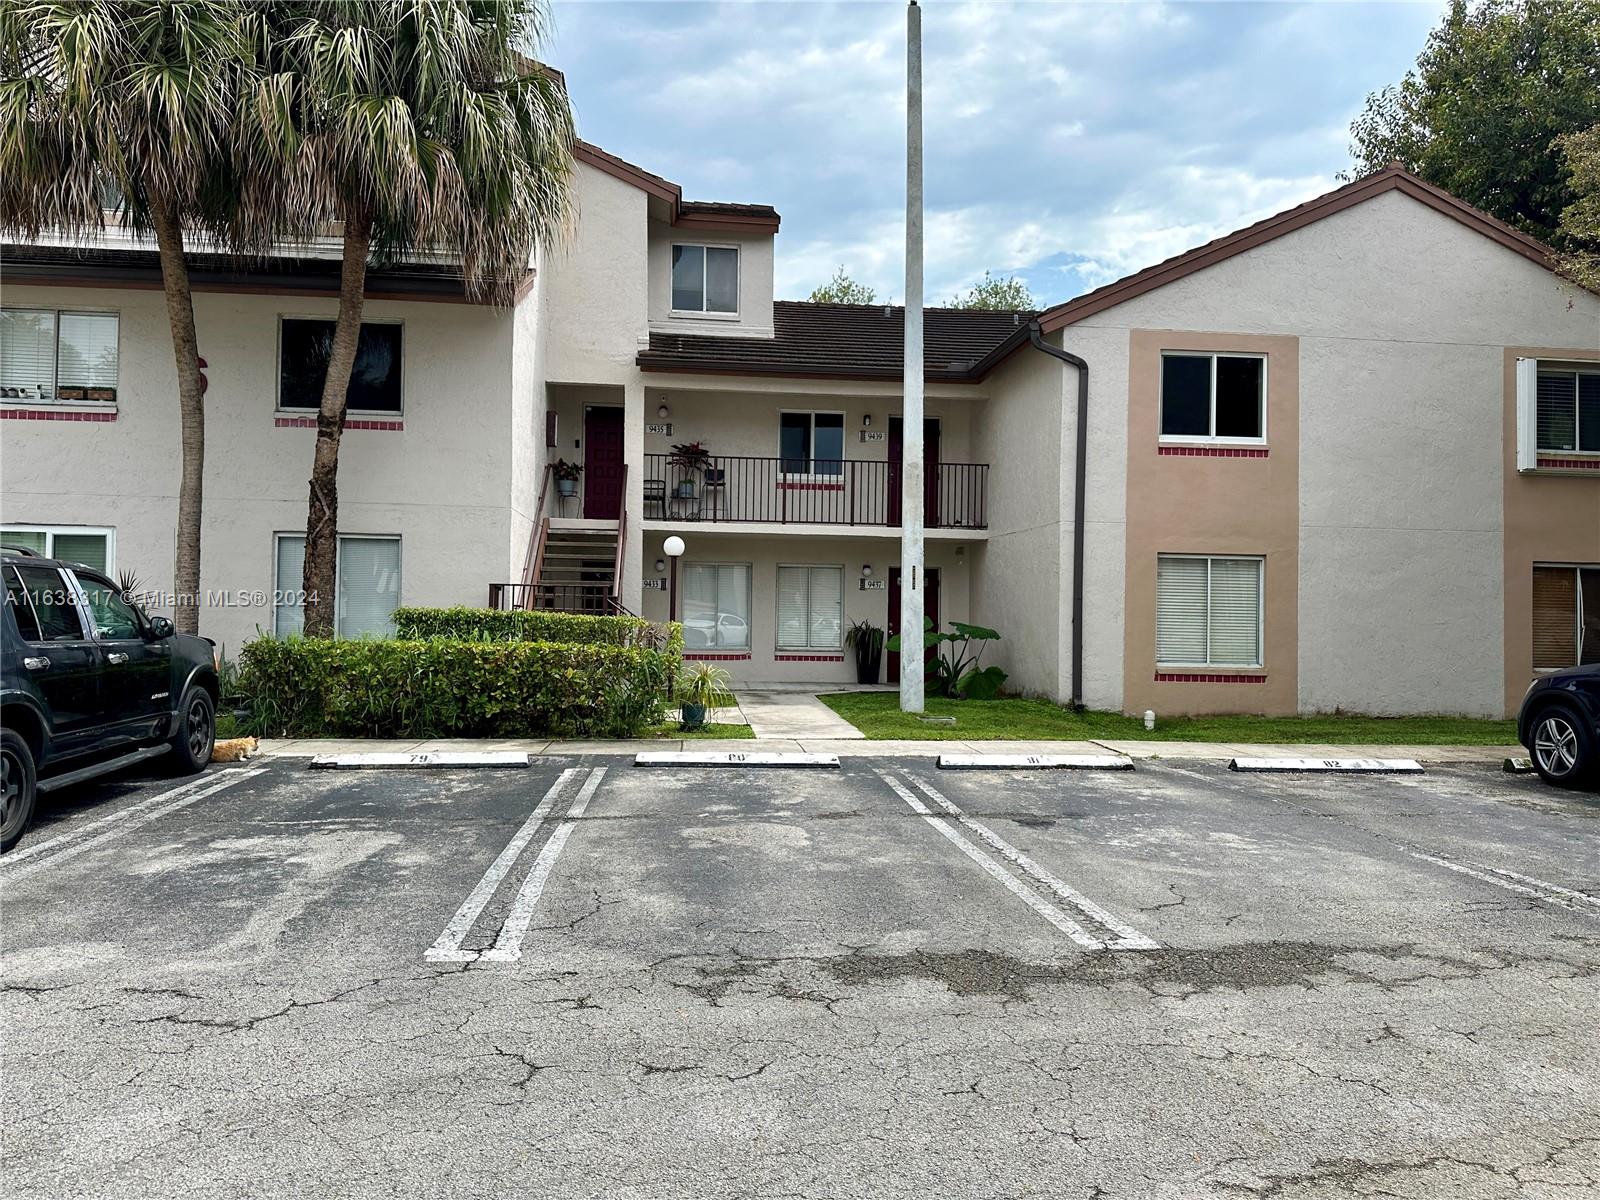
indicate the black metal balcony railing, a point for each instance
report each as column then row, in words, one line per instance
column 838, row 492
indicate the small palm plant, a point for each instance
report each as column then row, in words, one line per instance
column 701, row 686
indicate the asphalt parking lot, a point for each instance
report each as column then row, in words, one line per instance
column 592, row 979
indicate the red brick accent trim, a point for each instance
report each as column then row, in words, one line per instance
column 1201, row 677
column 799, row 486
column 715, row 657
column 1570, row 464
column 46, row 414
column 808, row 658
column 1214, row 451
column 353, row 423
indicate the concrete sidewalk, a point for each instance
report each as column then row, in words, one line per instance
column 859, row 747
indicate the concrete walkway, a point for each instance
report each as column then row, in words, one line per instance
column 792, row 715
column 858, row 747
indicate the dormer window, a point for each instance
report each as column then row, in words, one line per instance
column 705, row 279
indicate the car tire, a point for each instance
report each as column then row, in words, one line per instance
column 1562, row 746
column 197, row 731
column 21, row 787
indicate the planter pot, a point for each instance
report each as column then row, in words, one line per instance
column 694, row 716
column 868, row 665
column 566, row 487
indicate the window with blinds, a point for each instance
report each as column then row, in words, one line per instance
column 51, row 356
column 1208, row 611
column 70, row 543
column 1566, row 616
column 366, row 585
column 810, row 608
column 1567, row 411
column 716, row 606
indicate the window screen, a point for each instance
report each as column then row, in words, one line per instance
column 288, row 615
column 1566, row 616
column 366, row 586
column 705, row 279
column 92, row 549
column 88, row 351
column 722, row 279
column 1208, row 611
column 716, row 606
column 1185, row 396
column 688, row 278
column 1238, row 397
column 1558, row 410
column 27, row 354
column 810, row 607
column 305, row 348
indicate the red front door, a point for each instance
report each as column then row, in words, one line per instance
column 602, row 463
column 930, row 469
column 930, row 608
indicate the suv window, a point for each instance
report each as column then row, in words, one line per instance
column 114, row 618
column 54, row 611
column 17, row 602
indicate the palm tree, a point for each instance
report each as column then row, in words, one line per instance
column 130, row 100
column 416, row 126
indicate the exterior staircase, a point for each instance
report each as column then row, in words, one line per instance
column 575, row 567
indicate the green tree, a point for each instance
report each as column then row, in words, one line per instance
column 1496, row 84
column 1006, row 294
column 417, row 126
column 131, row 100
column 1580, row 221
column 841, row 289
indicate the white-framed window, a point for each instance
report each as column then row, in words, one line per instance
column 1213, row 397
column 716, row 606
column 810, row 607
column 811, row 443
column 705, row 279
column 304, row 347
column 366, row 583
column 1566, row 615
column 92, row 545
column 58, row 356
column 1567, row 410
column 1208, row 611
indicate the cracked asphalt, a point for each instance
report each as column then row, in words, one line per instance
column 785, row 983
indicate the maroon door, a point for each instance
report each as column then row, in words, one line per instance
column 930, row 608
column 930, row 469
column 602, row 463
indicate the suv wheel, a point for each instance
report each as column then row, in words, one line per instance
column 1563, row 751
column 197, row 731
column 20, row 786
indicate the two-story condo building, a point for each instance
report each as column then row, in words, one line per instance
column 1346, row 457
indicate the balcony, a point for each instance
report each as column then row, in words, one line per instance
column 736, row 490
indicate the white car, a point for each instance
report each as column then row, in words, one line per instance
column 723, row 630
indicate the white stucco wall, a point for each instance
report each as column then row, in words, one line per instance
column 442, row 484
column 1402, row 316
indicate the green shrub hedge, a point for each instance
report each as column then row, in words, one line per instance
column 439, row 687
column 479, row 624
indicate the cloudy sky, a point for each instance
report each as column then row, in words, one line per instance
column 1068, row 143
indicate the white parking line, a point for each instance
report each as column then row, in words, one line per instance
column 508, row 946
column 1128, row 938
column 85, row 837
column 448, row 947
column 1527, row 885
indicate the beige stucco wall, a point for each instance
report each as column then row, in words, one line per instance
column 754, row 318
column 441, row 484
column 1402, row 316
column 953, row 561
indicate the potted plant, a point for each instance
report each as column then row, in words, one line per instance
column 689, row 458
column 566, row 474
column 699, row 687
column 866, row 641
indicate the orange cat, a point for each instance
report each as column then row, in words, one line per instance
column 235, row 750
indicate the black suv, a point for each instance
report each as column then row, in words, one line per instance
column 1560, row 725
column 90, row 684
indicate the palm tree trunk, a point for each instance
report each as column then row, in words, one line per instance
column 191, row 409
column 322, row 521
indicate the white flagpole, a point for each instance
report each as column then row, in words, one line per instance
column 912, row 573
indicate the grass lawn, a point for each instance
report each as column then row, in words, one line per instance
column 671, row 730
column 878, row 715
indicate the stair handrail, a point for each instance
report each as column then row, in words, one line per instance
column 622, row 541
column 536, row 540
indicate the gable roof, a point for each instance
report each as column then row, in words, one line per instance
column 844, row 341
column 1393, row 178
column 696, row 214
